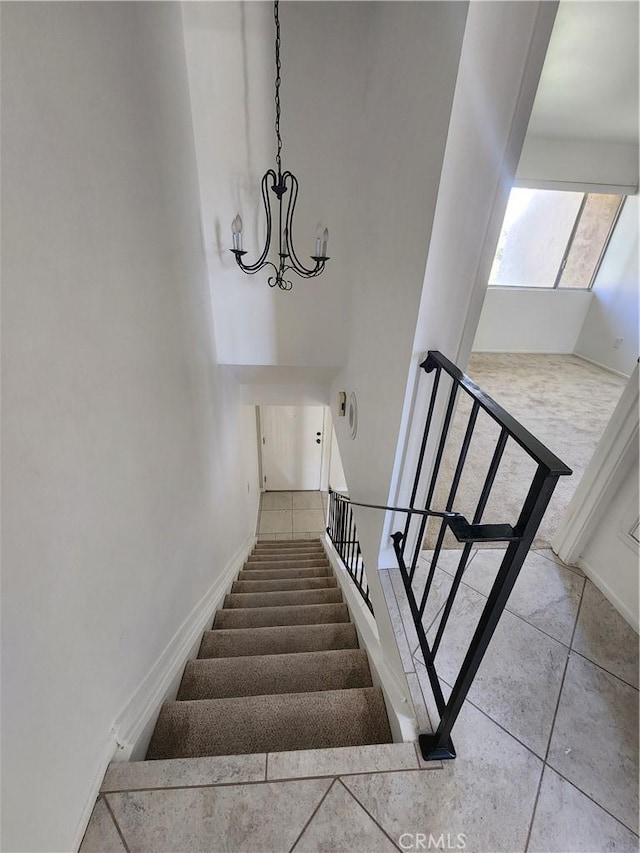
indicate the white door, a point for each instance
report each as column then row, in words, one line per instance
column 292, row 438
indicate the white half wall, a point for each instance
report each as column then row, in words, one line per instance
column 518, row 319
column 599, row 530
column 610, row 557
column 613, row 313
column 129, row 471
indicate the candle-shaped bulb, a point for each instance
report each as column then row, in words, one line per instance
column 318, row 239
column 325, row 241
column 236, row 230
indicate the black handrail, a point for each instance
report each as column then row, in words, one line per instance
column 518, row 537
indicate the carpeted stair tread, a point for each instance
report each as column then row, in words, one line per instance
column 263, row 617
column 261, row 557
column 270, row 565
column 292, row 548
column 219, row 678
column 281, row 574
column 267, row 544
column 285, row 598
column 284, row 584
column 273, row 723
column 289, row 554
column 277, row 640
column 287, row 562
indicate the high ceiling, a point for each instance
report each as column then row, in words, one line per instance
column 589, row 85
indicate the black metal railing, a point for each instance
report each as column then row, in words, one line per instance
column 341, row 528
column 434, row 483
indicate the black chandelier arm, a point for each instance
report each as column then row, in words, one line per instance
column 317, row 270
column 295, row 263
column 278, row 281
column 262, row 260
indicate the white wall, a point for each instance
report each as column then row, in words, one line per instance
column 614, row 310
column 268, row 385
column 337, row 480
column 415, row 48
column 124, row 485
column 517, row 319
column 325, row 57
column 610, row 557
column 583, row 165
column 502, row 56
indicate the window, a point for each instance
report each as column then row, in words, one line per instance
column 553, row 239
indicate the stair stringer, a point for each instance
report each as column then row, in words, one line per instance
column 385, row 672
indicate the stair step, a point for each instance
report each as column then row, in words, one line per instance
column 284, row 584
column 278, row 640
column 272, row 552
column 283, row 574
column 262, row 557
column 264, row 617
column 286, row 598
column 269, row 565
column 289, row 543
column 273, row 723
column 299, row 546
column 221, row 678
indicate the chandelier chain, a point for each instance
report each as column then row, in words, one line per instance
column 278, row 68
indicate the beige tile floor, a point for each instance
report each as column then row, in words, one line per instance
column 547, row 747
column 560, row 679
column 292, row 515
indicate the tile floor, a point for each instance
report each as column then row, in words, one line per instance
column 292, row 515
column 547, row 746
column 560, row 680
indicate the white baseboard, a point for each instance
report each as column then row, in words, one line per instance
column 600, row 365
column 494, row 351
column 627, row 614
column 94, row 790
column 139, row 714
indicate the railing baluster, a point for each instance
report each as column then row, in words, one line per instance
column 343, row 534
column 423, row 447
column 452, row 494
column 434, row 474
column 482, row 503
column 535, row 505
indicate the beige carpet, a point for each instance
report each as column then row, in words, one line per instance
column 564, row 401
column 279, row 670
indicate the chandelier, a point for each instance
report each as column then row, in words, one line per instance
column 280, row 183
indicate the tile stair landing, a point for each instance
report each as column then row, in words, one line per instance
column 279, row 670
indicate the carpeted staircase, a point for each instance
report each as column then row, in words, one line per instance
column 280, row 669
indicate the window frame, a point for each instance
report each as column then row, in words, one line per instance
column 556, row 284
